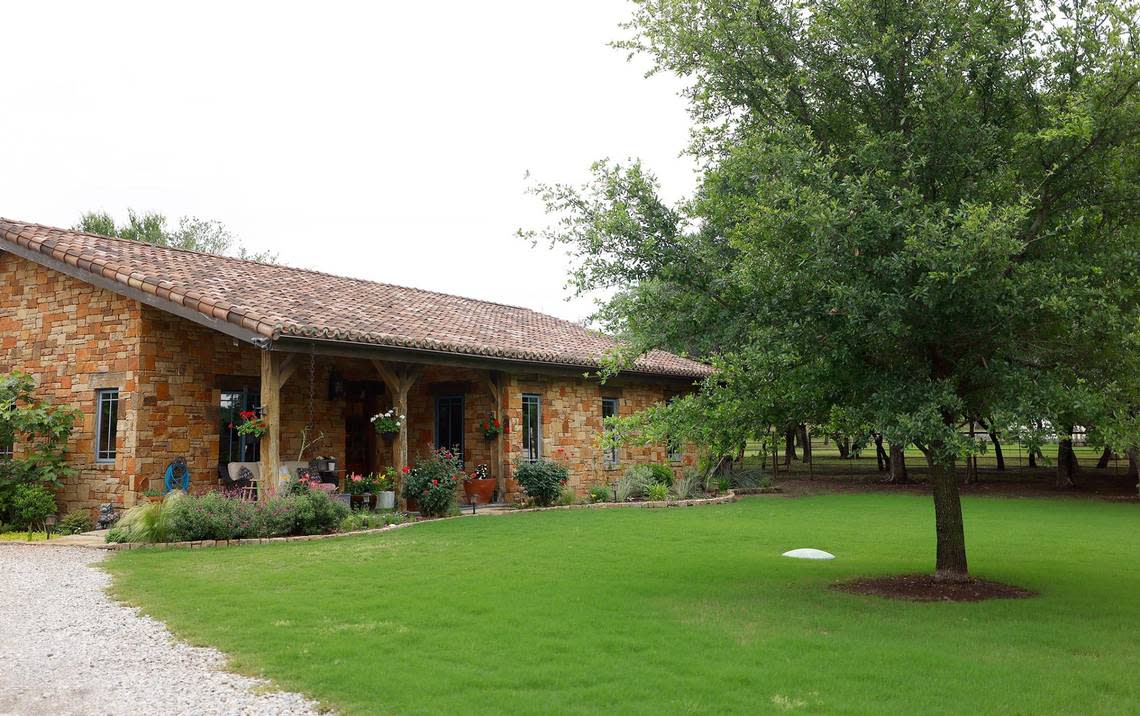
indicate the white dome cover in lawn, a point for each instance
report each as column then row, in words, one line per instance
column 808, row 553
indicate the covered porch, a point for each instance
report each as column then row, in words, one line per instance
column 319, row 400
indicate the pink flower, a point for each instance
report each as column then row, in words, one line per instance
column 357, row 478
column 435, row 482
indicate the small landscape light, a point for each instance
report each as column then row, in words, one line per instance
column 49, row 525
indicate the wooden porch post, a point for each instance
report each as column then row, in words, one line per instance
column 271, row 411
column 496, row 391
column 399, row 381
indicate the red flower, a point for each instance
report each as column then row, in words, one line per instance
column 406, row 469
column 435, row 482
column 496, row 423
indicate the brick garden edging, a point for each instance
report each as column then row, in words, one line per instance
column 198, row 544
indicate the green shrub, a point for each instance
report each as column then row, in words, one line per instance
column 42, row 430
column 628, row 488
column 323, row 515
column 567, row 496
column 686, row 485
column 211, row 516
column 542, row 479
column 766, row 482
column 662, row 475
column 657, row 492
column 433, row 482
column 31, row 505
column 598, row 493
column 76, row 522
column 148, row 522
column 371, row 520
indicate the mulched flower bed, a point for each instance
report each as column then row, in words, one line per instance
column 925, row 588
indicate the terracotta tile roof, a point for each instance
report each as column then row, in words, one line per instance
column 275, row 301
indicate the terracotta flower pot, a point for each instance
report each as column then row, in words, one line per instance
column 482, row 490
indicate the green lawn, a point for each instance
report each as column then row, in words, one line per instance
column 674, row 611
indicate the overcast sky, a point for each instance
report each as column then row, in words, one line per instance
column 387, row 141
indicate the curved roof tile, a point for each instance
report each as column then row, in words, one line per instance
column 279, row 301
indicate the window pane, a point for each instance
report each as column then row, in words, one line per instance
column 532, row 426
column 106, row 425
column 233, row 447
column 609, row 410
column 449, row 423
column 6, row 451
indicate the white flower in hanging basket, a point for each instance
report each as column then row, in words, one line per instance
column 387, row 423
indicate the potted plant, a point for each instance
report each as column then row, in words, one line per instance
column 153, row 495
column 362, row 489
column 478, row 486
column 252, row 425
column 387, row 424
column 385, row 488
column 491, row 427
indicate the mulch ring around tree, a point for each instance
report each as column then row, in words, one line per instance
column 926, row 588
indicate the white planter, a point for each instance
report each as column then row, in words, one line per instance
column 387, row 500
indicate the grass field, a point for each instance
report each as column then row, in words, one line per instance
column 675, row 611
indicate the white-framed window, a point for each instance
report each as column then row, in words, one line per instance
column 609, row 410
column 106, row 424
column 6, row 450
column 531, row 426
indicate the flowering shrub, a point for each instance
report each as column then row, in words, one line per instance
column 491, row 427
column 252, row 424
column 481, row 472
column 360, row 484
column 385, row 481
column 387, row 422
column 433, row 480
column 542, row 479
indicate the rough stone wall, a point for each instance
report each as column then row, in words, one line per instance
column 75, row 339
column 185, row 367
column 571, row 410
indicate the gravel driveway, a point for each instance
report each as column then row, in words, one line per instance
column 66, row 648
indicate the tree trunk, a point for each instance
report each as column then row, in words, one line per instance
column 789, row 446
column 881, row 457
column 1066, row 462
column 1134, row 464
column 805, row 443
column 1105, row 457
column 971, row 461
column 898, row 465
column 951, row 551
column 1033, row 456
column 997, row 450
column 844, row 447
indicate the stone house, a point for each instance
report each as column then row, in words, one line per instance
column 160, row 348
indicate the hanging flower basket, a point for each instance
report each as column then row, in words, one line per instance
column 492, row 428
column 387, row 424
column 252, row 425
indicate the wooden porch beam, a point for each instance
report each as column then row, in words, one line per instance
column 288, row 368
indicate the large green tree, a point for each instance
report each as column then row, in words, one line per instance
column 914, row 212
column 204, row 235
